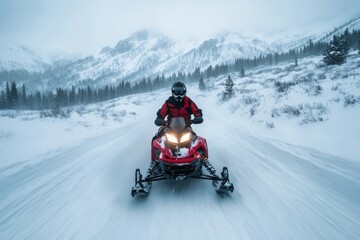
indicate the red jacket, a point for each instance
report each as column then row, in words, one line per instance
column 173, row 108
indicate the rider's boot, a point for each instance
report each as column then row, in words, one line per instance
column 153, row 169
column 209, row 167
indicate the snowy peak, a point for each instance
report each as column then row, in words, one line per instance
column 249, row 46
column 224, row 48
column 135, row 40
column 15, row 57
column 20, row 57
column 122, row 47
column 135, row 56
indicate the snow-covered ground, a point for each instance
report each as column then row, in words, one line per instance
column 291, row 148
column 309, row 105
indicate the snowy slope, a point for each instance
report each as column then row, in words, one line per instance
column 147, row 54
column 224, row 48
column 139, row 53
column 70, row 178
column 283, row 97
column 15, row 57
column 351, row 25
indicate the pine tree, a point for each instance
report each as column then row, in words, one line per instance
column 23, row 97
column 89, row 95
column 296, row 61
column 127, row 88
column 311, row 47
column 72, row 96
column 270, row 59
column 345, row 40
column 202, row 86
column 336, row 52
column 14, row 95
column 38, row 100
column 7, row 96
column 209, row 71
column 242, row 71
column 2, row 100
column 229, row 91
column 276, row 58
column 359, row 46
column 197, row 74
column 149, row 86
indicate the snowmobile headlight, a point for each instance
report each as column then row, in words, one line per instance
column 171, row 138
column 185, row 137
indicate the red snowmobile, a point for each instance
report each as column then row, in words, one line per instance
column 180, row 154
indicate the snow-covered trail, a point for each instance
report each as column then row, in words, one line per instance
column 83, row 192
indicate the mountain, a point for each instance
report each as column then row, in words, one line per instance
column 287, row 42
column 351, row 25
column 138, row 55
column 19, row 57
column 147, row 54
column 224, row 48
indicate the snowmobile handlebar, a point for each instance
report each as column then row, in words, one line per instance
column 161, row 122
column 197, row 120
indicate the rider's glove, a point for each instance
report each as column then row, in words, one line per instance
column 160, row 122
column 197, row 120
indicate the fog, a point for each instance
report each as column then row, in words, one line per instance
column 85, row 26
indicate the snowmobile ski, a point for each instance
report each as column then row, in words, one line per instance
column 141, row 187
column 223, row 185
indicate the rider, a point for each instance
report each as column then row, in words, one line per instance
column 178, row 105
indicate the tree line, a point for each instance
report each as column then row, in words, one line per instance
column 14, row 97
column 17, row 97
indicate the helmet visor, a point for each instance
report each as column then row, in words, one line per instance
column 178, row 91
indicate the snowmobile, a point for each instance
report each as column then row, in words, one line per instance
column 180, row 154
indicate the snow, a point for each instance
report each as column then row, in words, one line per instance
column 16, row 56
column 183, row 152
column 330, row 116
column 70, row 178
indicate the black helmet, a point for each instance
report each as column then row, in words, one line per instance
column 178, row 91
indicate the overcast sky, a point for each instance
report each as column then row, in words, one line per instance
column 85, row 26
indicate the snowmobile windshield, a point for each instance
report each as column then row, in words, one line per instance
column 177, row 124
